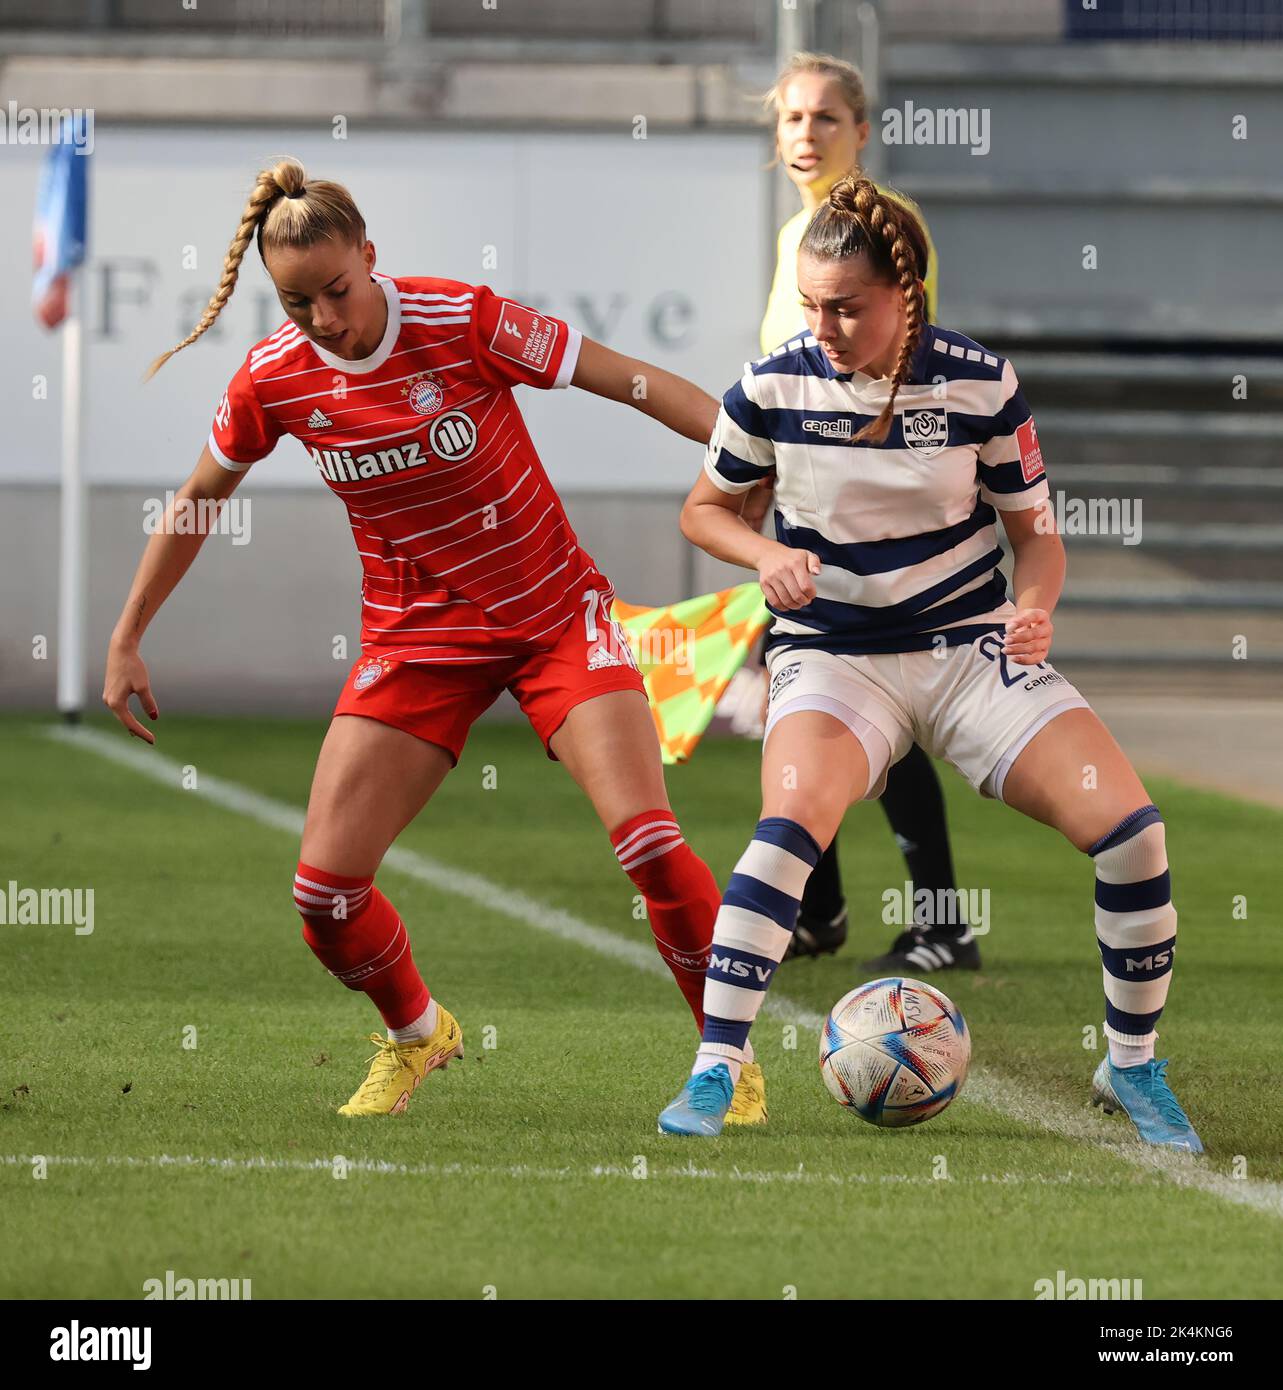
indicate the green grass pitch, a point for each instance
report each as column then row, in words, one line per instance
column 518, row 1173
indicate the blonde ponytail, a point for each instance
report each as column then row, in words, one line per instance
column 283, row 210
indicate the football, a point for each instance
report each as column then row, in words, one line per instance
column 895, row 1051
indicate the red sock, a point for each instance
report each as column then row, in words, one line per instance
column 358, row 937
column 682, row 897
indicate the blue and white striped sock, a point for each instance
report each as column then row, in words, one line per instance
column 758, row 913
column 1135, row 930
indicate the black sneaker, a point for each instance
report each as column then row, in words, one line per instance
column 813, row 937
column 921, row 950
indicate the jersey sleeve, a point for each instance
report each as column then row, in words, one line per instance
column 741, row 452
column 242, row 432
column 513, row 345
column 1012, row 476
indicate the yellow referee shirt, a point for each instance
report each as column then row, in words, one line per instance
column 783, row 319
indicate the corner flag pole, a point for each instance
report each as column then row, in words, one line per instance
column 60, row 233
column 72, row 522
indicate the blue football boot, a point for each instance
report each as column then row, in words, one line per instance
column 1143, row 1095
column 701, row 1105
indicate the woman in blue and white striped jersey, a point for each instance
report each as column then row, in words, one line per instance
column 895, row 445
column 820, row 110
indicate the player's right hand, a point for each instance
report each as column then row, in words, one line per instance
column 785, row 576
column 127, row 676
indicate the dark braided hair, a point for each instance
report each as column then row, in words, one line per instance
column 858, row 218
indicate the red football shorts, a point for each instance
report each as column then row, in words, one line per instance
column 439, row 703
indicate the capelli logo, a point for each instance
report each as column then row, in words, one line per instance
column 828, row 429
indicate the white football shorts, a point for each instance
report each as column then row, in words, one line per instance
column 967, row 704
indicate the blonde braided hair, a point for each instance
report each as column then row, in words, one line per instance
column 284, row 209
column 858, row 217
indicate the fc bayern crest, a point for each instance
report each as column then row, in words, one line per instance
column 425, row 395
column 926, row 431
column 368, row 674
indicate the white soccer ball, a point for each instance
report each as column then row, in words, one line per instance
column 895, row 1051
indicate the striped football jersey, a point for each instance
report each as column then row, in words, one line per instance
column 904, row 530
column 466, row 549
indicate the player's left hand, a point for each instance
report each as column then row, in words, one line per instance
column 1027, row 638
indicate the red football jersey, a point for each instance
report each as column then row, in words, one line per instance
column 467, row 551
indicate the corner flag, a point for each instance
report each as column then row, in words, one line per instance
column 687, row 653
column 61, row 213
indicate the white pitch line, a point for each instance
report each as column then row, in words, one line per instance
column 568, row 1173
column 1014, row 1100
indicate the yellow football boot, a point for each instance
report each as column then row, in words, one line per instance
column 397, row 1068
column 748, row 1104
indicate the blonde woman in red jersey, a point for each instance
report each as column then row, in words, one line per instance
column 474, row 582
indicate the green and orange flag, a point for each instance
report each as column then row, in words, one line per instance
column 688, row 652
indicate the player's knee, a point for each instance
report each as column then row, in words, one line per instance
column 1136, row 845
column 1131, row 862
column 325, row 899
column 818, row 812
column 653, row 852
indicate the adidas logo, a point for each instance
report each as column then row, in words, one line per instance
column 602, row 658
column 318, row 420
